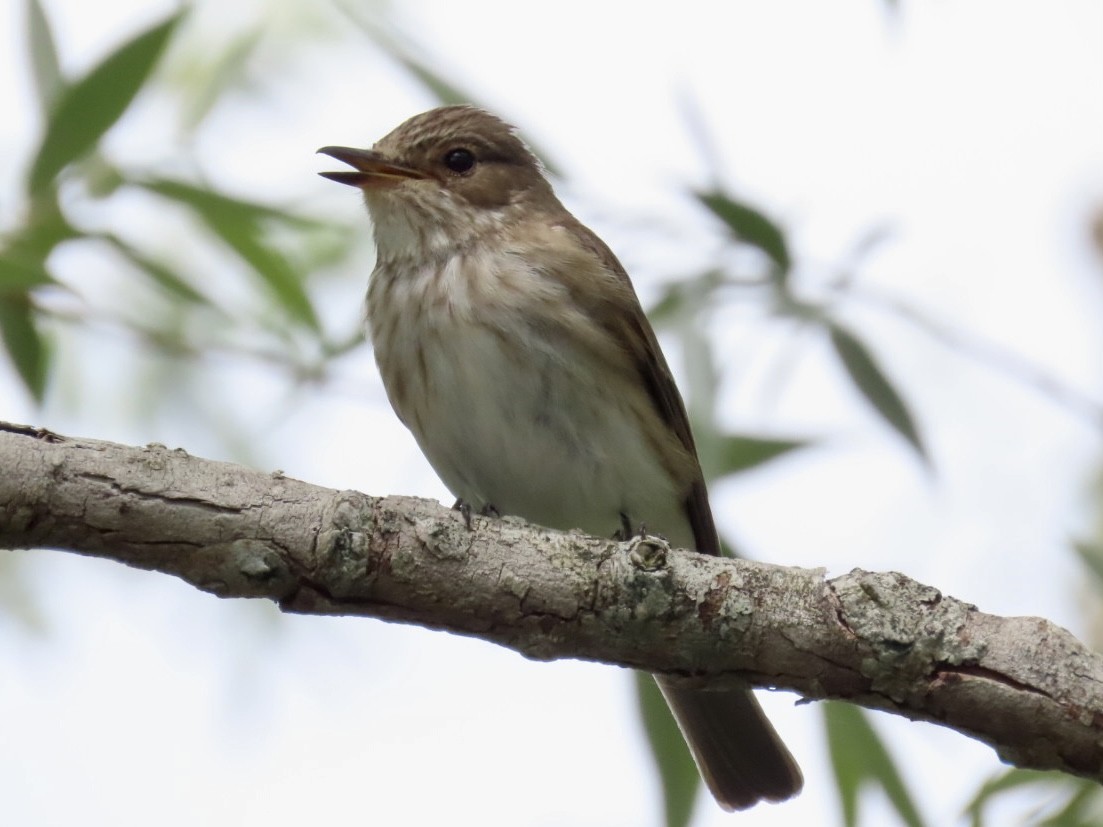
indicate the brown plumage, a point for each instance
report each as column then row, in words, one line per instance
column 512, row 344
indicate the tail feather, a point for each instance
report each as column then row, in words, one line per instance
column 737, row 751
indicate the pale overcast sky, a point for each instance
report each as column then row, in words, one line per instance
column 973, row 130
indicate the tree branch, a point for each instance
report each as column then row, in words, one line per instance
column 1022, row 685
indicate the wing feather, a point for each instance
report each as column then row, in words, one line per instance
column 624, row 319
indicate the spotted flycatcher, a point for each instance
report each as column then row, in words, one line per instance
column 512, row 345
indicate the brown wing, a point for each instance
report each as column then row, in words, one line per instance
column 740, row 756
column 630, row 326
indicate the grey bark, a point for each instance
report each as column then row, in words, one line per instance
column 1023, row 685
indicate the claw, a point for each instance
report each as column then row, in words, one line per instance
column 625, row 531
column 465, row 511
column 489, row 510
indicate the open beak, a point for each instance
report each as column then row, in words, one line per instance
column 372, row 170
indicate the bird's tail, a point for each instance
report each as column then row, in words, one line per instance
column 740, row 756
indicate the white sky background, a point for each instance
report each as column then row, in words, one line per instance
column 975, row 130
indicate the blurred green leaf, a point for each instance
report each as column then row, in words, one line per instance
column 700, row 384
column 677, row 771
column 212, row 75
column 17, row 275
column 1084, row 807
column 741, row 453
column 672, row 303
column 23, row 342
column 202, row 199
column 1011, row 779
column 101, row 178
column 239, row 224
column 702, row 138
column 24, row 253
column 875, row 386
column 408, row 56
column 751, row 227
column 854, row 258
column 326, row 246
column 19, row 596
column 859, row 757
column 1091, row 555
column 1081, row 807
column 685, row 296
column 162, row 275
column 45, row 69
column 44, row 227
column 88, row 108
column 336, row 348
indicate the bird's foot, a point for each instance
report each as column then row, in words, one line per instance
column 464, row 507
column 627, row 532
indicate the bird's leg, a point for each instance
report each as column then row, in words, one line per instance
column 464, row 508
column 625, row 531
column 461, row 505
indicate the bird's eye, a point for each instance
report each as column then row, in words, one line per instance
column 459, row 160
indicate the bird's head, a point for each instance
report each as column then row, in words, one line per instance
column 443, row 178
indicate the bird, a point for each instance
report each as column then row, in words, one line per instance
column 512, row 344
